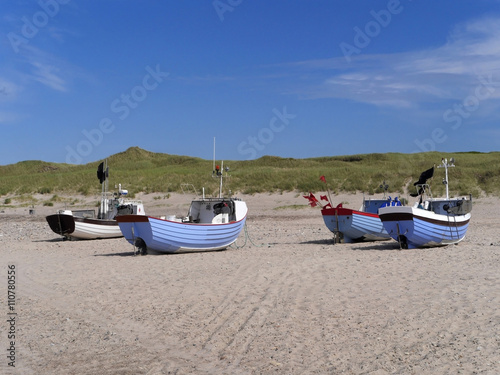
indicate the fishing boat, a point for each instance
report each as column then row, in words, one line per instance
column 86, row 224
column 430, row 221
column 349, row 225
column 210, row 224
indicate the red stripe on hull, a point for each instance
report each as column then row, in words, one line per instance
column 344, row 212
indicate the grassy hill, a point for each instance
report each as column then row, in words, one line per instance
column 139, row 170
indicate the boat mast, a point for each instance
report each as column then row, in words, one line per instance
column 220, row 184
column 218, row 172
column 445, row 165
column 213, row 167
column 104, row 208
column 106, row 180
column 102, row 175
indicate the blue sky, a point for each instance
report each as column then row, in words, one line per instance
column 82, row 80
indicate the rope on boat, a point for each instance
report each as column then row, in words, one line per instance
column 247, row 236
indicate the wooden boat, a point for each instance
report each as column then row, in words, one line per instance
column 85, row 224
column 431, row 221
column 210, row 224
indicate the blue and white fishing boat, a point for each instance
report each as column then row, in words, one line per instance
column 431, row 221
column 349, row 225
column 210, row 224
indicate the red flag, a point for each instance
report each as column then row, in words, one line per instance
column 312, row 199
column 323, row 198
column 322, row 178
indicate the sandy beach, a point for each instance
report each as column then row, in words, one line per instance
column 285, row 300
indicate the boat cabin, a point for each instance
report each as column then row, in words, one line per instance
column 442, row 206
column 373, row 205
column 116, row 205
column 212, row 211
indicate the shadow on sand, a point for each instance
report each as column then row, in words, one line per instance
column 360, row 246
column 56, row 239
column 153, row 253
column 328, row 241
column 127, row 254
column 378, row 246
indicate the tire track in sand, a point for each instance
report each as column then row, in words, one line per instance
column 237, row 321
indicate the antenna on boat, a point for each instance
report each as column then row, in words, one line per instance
column 446, row 165
column 384, row 187
column 213, row 167
column 218, row 172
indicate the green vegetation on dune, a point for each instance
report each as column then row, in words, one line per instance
column 139, row 170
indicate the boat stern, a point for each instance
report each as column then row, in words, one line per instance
column 61, row 223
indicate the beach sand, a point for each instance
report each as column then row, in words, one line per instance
column 285, row 300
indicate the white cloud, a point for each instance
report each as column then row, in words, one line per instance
column 449, row 72
column 49, row 75
column 36, row 65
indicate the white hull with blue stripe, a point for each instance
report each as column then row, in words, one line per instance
column 358, row 225
column 419, row 227
column 431, row 221
column 354, row 225
column 211, row 224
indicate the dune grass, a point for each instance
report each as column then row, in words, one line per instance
column 139, row 170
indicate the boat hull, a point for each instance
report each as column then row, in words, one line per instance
column 166, row 236
column 416, row 227
column 73, row 227
column 354, row 225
